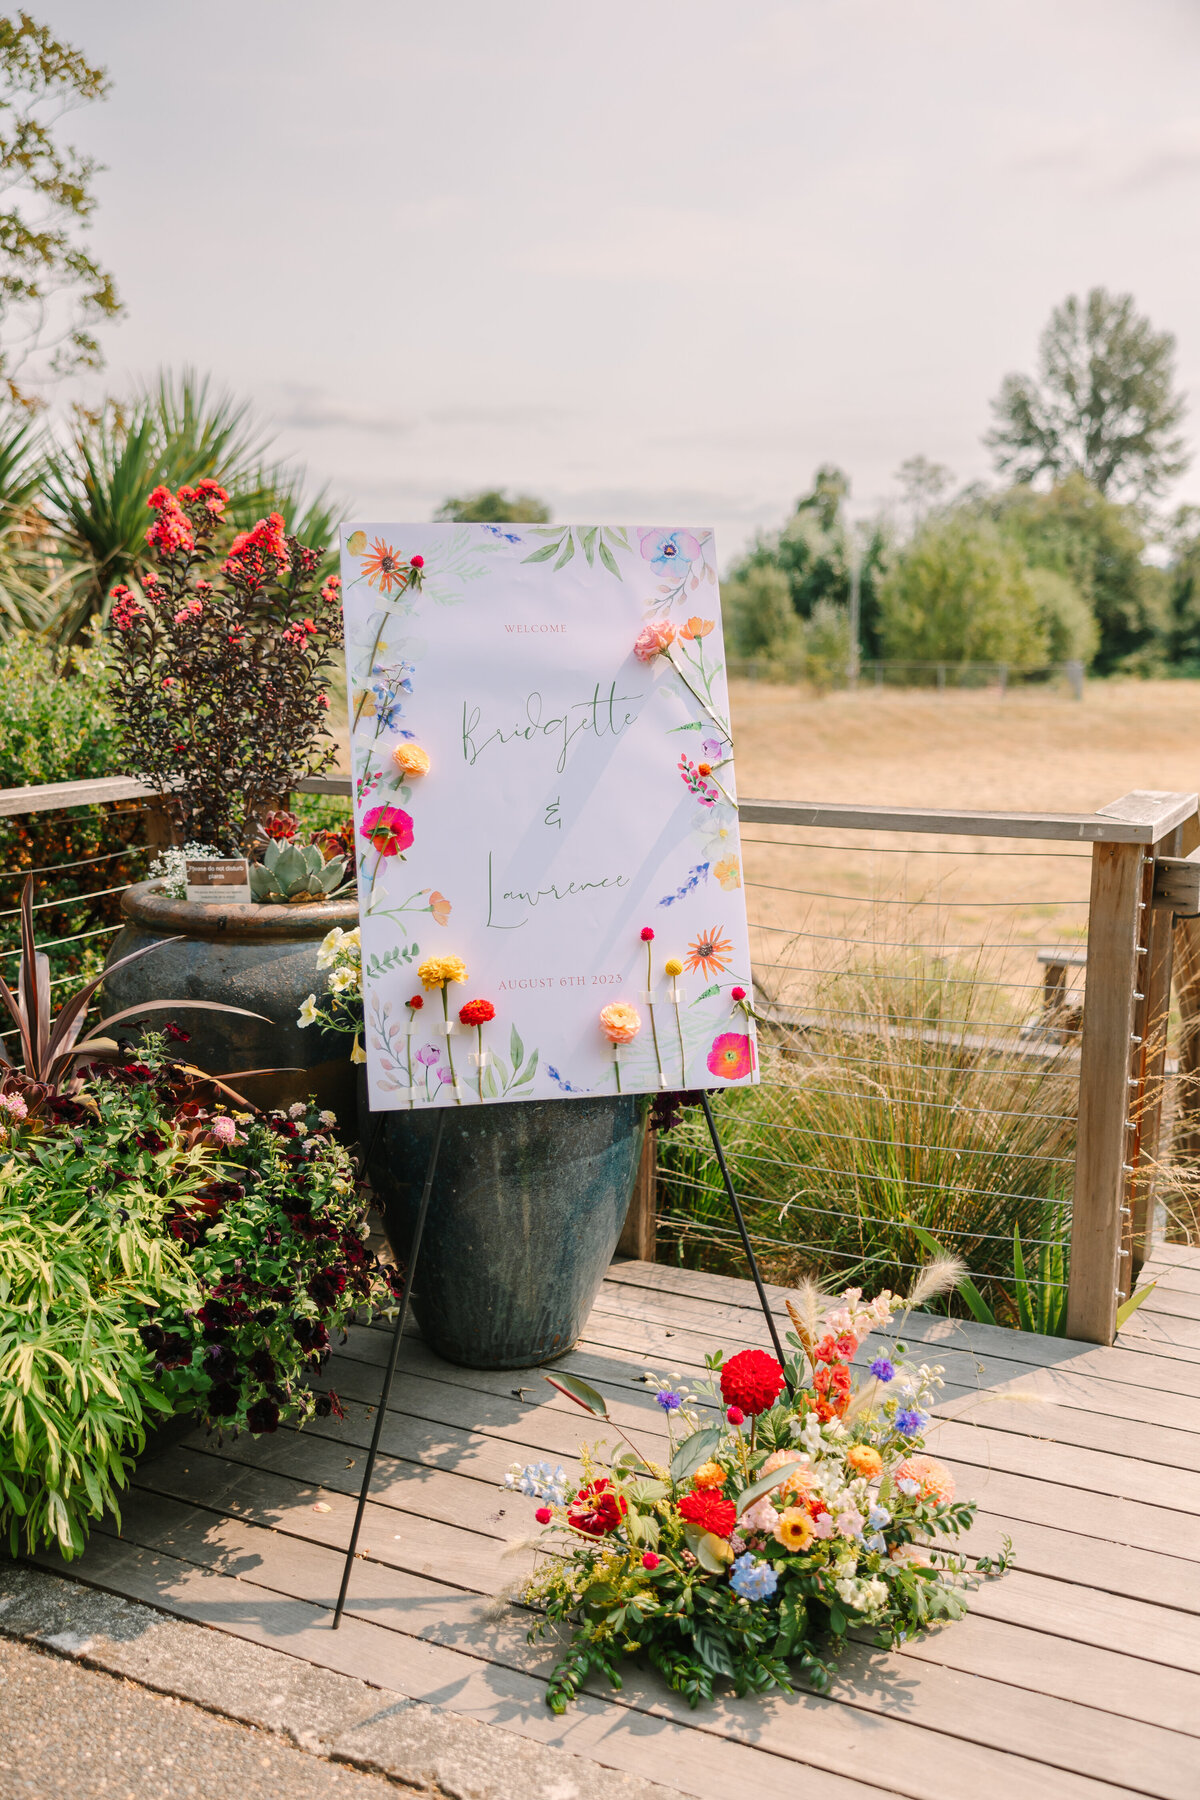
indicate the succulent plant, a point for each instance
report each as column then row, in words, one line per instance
column 292, row 872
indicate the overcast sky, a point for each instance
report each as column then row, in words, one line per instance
column 652, row 259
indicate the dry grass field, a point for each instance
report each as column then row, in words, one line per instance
column 1026, row 751
column 988, row 904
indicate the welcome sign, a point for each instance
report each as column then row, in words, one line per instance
column 550, row 874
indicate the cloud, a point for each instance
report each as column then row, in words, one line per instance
column 308, row 409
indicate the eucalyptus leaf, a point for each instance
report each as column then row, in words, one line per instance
column 694, row 1450
column 764, row 1485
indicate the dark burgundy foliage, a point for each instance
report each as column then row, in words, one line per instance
column 220, row 680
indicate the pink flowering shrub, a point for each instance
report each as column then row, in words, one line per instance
column 221, row 662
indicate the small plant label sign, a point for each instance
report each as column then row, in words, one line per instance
column 218, row 880
column 545, row 813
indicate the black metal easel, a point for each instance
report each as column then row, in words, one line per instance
column 401, row 1321
column 745, row 1235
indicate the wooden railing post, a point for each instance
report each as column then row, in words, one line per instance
column 1122, row 1060
column 1151, row 1025
column 638, row 1238
column 1120, row 889
column 1187, row 993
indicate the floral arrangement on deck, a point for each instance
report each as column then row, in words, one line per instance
column 788, row 1506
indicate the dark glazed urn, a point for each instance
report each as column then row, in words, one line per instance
column 527, row 1206
column 261, row 957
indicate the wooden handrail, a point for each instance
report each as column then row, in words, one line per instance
column 1143, row 817
column 1139, row 818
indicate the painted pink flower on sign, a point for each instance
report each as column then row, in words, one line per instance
column 732, row 1056
column 669, row 551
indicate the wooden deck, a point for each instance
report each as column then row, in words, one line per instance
column 1075, row 1676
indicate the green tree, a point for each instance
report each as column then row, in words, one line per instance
column 760, row 619
column 1103, row 403
column 492, row 506
column 1072, row 634
column 959, row 592
column 52, row 292
column 1184, row 591
column 922, row 485
column 815, row 551
column 1099, row 546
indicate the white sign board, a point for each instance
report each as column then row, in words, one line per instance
column 217, row 881
column 578, row 796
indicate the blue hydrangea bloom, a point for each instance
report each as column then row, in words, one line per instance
column 669, row 1402
column 751, row 1579
column 875, row 1542
column 883, row 1369
column 878, row 1517
column 910, row 1422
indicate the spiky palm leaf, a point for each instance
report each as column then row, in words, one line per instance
column 178, row 430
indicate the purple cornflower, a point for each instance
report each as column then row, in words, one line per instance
column 883, row 1369
column 669, row 1402
column 910, row 1422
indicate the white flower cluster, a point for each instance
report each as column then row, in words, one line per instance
column 170, row 868
column 869, row 1596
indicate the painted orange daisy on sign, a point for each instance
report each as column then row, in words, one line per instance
column 709, row 953
column 384, row 569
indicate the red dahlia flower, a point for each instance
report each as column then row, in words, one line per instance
column 751, row 1380
column 597, row 1508
column 706, row 1509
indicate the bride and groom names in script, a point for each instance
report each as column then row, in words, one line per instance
column 602, row 714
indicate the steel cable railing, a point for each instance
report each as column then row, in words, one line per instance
column 954, row 1091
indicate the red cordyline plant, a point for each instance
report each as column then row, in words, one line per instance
column 221, row 664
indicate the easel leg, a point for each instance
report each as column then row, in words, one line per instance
column 745, row 1236
column 401, row 1321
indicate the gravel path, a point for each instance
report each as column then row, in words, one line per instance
column 72, row 1731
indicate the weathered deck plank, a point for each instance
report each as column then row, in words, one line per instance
column 1078, row 1675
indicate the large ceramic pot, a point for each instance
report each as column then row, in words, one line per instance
column 527, row 1206
column 260, row 957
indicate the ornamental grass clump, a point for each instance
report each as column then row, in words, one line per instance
column 220, row 666
column 760, row 1518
